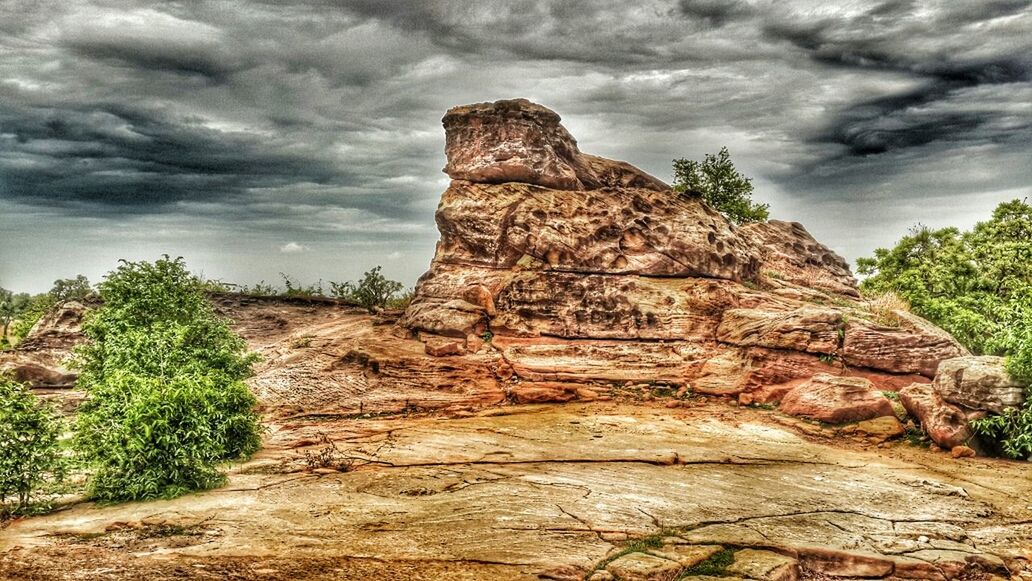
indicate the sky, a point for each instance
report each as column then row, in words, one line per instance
column 257, row 138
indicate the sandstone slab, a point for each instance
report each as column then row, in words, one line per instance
column 684, row 554
column 756, row 564
column 791, row 254
column 644, row 567
column 836, row 400
column 810, row 329
column 915, row 346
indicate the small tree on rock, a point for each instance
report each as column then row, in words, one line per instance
column 721, row 186
column 372, row 292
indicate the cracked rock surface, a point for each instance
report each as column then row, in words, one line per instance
column 435, row 476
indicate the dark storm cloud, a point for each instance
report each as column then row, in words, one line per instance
column 118, row 154
column 715, row 12
column 892, row 38
column 316, row 125
column 198, row 61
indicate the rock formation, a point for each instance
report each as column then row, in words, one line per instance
column 40, row 360
column 978, row 383
column 965, row 389
column 582, row 269
column 836, row 400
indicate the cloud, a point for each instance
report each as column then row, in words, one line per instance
column 320, row 121
column 293, row 248
column 151, row 40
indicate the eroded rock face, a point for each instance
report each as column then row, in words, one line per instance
column 978, row 383
column 586, row 269
column 519, row 141
column 790, row 253
column 40, row 360
column 915, row 346
column 617, row 231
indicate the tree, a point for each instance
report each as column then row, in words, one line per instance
column 68, row 289
column 29, row 453
column 166, row 402
column 977, row 285
column 372, row 292
column 721, row 186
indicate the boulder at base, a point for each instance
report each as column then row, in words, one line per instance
column 836, row 400
column 946, row 424
column 978, row 383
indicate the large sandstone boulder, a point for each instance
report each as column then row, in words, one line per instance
column 912, row 346
column 836, row 400
column 946, row 424
column 811, row 328
column 978, row 383
column 585, row 269
column 519, row 141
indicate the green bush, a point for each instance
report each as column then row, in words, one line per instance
column 13, row 308
column 166, row 402
column 34, row 310
column 294, row 288
column 721, row 186
column 149, row 437
column 29, row 454
column 68, row 289
column 372, row 292
column 976, row 285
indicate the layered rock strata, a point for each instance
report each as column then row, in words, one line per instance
column 583, row 269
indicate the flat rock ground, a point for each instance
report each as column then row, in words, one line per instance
column 457, row 485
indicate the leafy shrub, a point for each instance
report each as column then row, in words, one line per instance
column 166, row 401
column 12, row 305
column 721, row 186
column 976, row 285
column 400, row 302
column 372, row 292
column 150, row 437
column 29, row 453
column 259, row 289
column 68, row 289
column 296, row 289
column 34, row 310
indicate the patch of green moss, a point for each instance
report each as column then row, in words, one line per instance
column 715, row 566
column 638, row 546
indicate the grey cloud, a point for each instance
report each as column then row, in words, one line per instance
column 319, row 122
column 119, row 154
column 715, row 12
column 948, row 54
